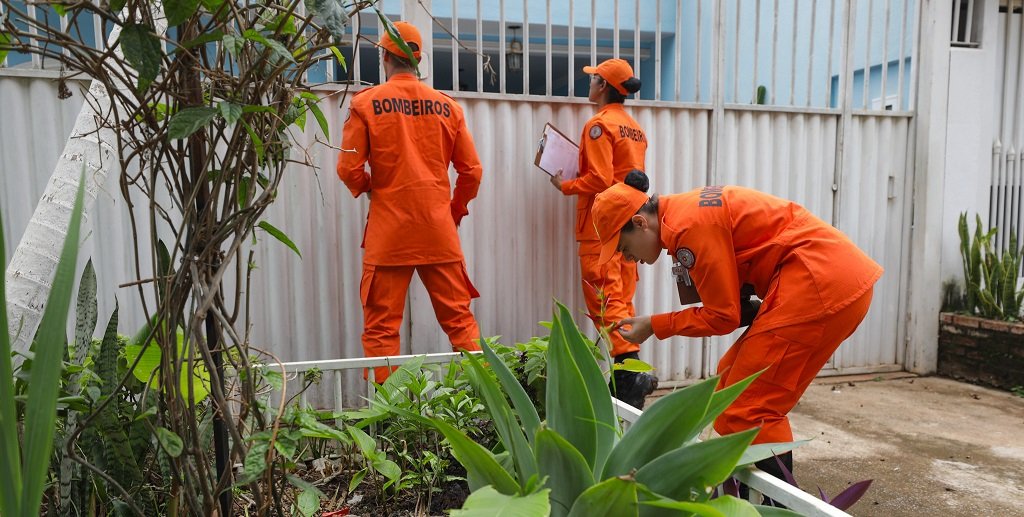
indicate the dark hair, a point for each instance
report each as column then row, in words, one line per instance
column 403, row 60
column 638, row 180
column 632, row 85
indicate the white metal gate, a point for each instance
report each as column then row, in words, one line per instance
column 1006, row 197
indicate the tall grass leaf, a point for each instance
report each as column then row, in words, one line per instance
column 597, row 389
column 41, row 409
column 10, row 460
column 666, row 425
column 488, row 502
column 520, row 399
column 690, row 472
column 613, row 497
column 565, row 468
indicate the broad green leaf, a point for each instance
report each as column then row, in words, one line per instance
column 520, row 399
column 761, row 451
column 230, row 111
column 690, row 508
column 771, row 511
column 695, row 469
column 568, row 412
column 488, row 502
column 142, row 49
column 190, row 120
column 669, row 423
column 321, row 120
column 233, row 44
column 333, row 16
column 392, row 32
column 276, row 48
column 339, row 57
column 41, row 409
column 387, row 468
column 170, row 441
column 633, row 365
column 724, row 506
column 85, row 323
column 613, row 497
column 5, row 39
column 356, row 479
column 179, row 11
column 256, row 141
column 150, row 361
column 203, row 39
column 279, row 235
column 722, row 398
column 477, row 460
column 117, row 5
column 508, row 428
column 60, row 9
column 607, row 423
column 255, row 462
column 308, row 503
column 212, row 5
column 565, row 468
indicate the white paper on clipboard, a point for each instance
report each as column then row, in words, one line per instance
column 557, row 151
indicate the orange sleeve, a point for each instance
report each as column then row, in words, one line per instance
column 599, row 173
column 717, row 281
column 467, row 166
column 355, row 148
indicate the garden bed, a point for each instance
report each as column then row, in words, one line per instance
column 981, row 351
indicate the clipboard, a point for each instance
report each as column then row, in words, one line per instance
column 557, row 151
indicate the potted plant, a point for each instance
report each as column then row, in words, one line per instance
column 980, row 330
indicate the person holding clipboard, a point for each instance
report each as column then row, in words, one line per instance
column 612, row 145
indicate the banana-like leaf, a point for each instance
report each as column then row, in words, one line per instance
column 508, row 428
column 722, row 398
column 691, row 472
column 568, row 412
column 488, row 502
column 520, row 399
column 478, row 461
column 666, row 425
column 613, row 497
column 41, row 409
column 772, row 511
column 762, row 451
column 566, row 470
column 600, row 398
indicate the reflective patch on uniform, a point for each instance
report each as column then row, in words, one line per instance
column 595, row 132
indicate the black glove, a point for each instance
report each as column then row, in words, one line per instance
column 748, row 310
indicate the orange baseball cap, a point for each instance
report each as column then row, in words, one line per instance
column 615, row 71
column 612, row 209
column 407, row 32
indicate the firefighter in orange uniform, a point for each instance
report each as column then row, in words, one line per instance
column 612, row 144
column 409, row 133
column 816, row 287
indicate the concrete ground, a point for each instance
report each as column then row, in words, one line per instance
column 933, row 446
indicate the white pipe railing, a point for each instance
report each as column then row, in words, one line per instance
column 758, row 481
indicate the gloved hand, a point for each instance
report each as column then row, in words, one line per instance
column 748, row 310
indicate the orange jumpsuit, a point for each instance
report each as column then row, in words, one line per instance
column 612, row 144
column 409, row 133
column 815, row 285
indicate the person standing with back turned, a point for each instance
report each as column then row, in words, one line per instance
column 611, row 146
column 409, row 133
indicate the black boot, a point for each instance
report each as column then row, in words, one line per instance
column 631, row 387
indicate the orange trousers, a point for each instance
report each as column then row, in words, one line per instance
column 793, row 356
column 382, row 291
column 609, row 290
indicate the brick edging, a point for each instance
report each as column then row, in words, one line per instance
column 974, row 322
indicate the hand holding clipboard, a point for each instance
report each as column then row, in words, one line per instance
column 556, row 152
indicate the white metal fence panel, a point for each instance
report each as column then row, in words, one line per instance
column 1007, row 191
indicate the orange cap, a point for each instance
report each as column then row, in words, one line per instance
column 615, row 71
column 611, row 211
column 409, row 33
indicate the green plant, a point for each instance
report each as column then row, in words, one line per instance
column 1018, row 391
column 24, row 465
column 578, row 454
column 990, row 277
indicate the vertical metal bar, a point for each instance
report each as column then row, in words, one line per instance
column 810, row 51
column 380, row 62
column 846, row 117
column 914, row 52
column 792, row 58
column 593, row 33
column 615, row 32
column 636, row 41
column 1019, row 119
column 757, row 48
column 831, row 41
column 501, row 45
column 775, row 47
column 736, row 57
column 885, row 53
column 572, row 49
column 700, row 23
column 526, row 47
column 679, row 51
column 357, row 24
column 547, row 50
column 957, row 7
column 339, row 395
column 657, row 51
column 970, row 22
column 479, row 48
column 902, row 57
column 1008, row 59
column 716, row 154
column 993, row 189
column 33, row 13
column 867, row 58
column 455, row 45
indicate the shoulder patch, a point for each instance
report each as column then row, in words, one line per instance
column 686, row 258
column 595, row 132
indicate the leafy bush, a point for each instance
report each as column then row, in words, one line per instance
column 990, row 277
